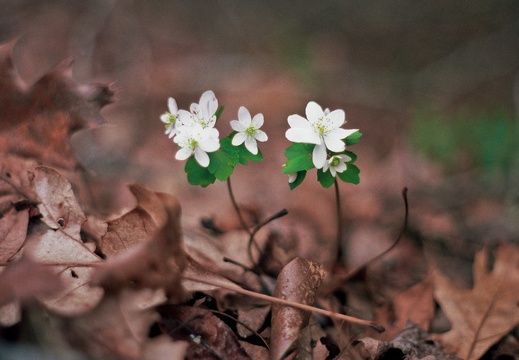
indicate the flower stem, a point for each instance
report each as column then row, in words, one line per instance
column 339, row 221
column 235, row 205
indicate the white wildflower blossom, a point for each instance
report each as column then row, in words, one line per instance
column 336, row 164
column 247, row 129
column 203, row 113
column 170, row 118
column 196, row 140
column 320, row 128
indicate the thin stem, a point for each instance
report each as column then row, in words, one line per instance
column 339, row 221
column 235, row 205
column 279, row 301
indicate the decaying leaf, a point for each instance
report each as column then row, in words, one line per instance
column 36, row 121
column 157, row 263
column 483, row 315
column 24, row 279
column 297, row 282
column 411, row 343
column 118, row 327
column 210, row 337
column 137, row 225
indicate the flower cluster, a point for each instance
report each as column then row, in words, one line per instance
column 195, row 133
column 320, row 142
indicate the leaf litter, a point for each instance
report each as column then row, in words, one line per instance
column 140, row 285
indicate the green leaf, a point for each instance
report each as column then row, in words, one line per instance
column 224, row 160
column 246, row 155
column 325, row 178
column 351, row 154
column 198, row 175
column 353, row 138
column 351, row 175
column 299, row 158
column 300, row 177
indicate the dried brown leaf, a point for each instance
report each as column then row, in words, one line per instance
column 136, row 226
column 157, row 263
column 297, row 282
column 57, row 202
column 210, row 337
column 480, row 317
column 36, row 121
column 118, row 327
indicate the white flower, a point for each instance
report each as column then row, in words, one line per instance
column 203, row 113
column 248, row 130
column 292, row 177
column 336, row 164
column 170, row 118
column 322, row 129
column 196, row 140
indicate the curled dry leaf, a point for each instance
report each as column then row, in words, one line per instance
column 157, row 263
column 137, row 225
column 118, row 327
column 298, row 282
column 480, row 317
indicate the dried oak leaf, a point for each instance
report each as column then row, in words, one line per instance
column 137, row 225
column 415, row 304
column 156, row 263
column 480, row 317
column 36, row 121
column 297, row 282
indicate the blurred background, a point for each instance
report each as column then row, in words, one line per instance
column 432, row 85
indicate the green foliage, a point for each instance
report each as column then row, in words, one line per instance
column 353, row 138
column 198, row 175
column 221, row 163
column 299, row 160
column 485, row 140
column 299, row 179
column 224, row 160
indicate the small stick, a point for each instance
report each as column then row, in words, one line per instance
column 299, row 306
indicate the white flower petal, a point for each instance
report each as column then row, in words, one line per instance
column 298, row 121
column 185, row 117
column 208, row 104
column 244, row 116
column 183, row 153
column 201, row 157
column 261, row 135
column 342, row 133
column 337, row 117
column 341, row 167
column 172, row 105
column 333, row 144
column 250, row 144
column 314, row 111
column 303, row 135
column 238, row 139
column 208, row 145
column 345, row 158
column 332, row 171
column 237, row 126
column 257, row 121
column 164, row 118
column 319, row 156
